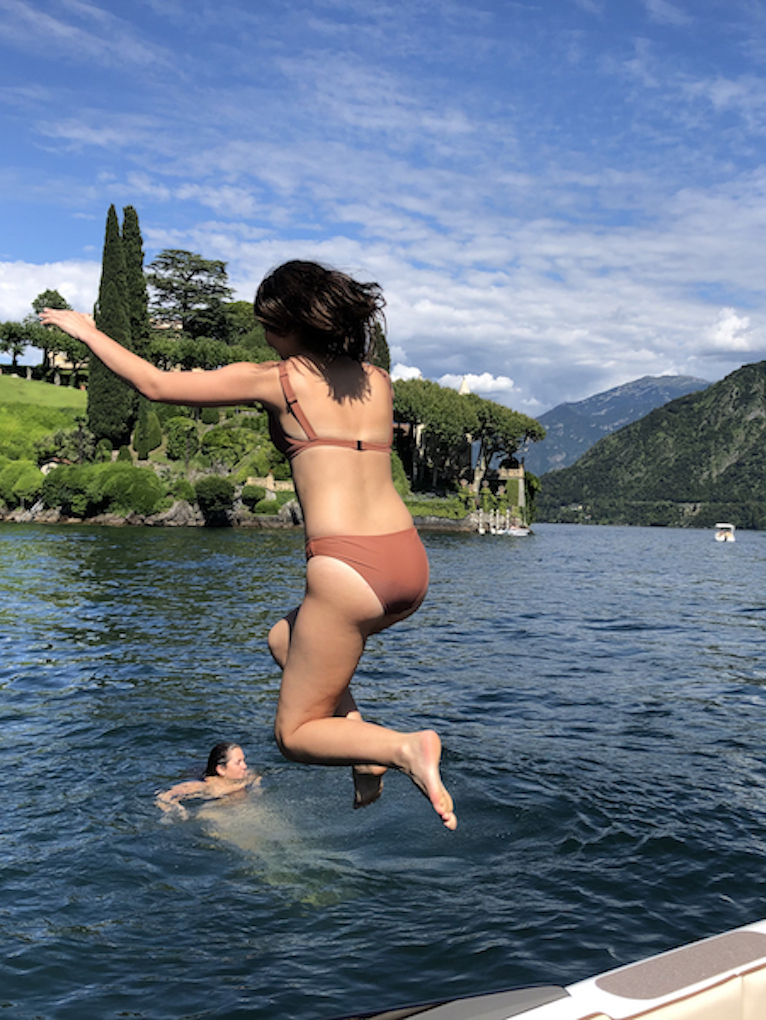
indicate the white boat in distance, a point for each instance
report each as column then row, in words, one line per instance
column 724, row 533
column 719, row 978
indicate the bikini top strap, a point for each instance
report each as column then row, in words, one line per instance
column 292, row 402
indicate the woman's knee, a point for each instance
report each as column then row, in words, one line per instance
column 279, row 638
column 279, row 642
column 284, row 738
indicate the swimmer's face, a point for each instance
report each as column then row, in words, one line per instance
column 235, row 767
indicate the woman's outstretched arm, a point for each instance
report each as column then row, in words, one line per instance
column 234, row 384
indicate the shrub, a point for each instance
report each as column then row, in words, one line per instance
column 103, row 452
column 124, row 455
column 451, row 507
column 228, row 444
column 95, row 488
column 256, row 422
column 215, row 497
column 184, row 489
column 257, row 465
column 183, row 440
column 165, row 412
column 273, row 506
column 401, row 484
column 148, row 434
column 24, row 425
column 210, row 416
column 126, row 488
column 74, row 445
column 280, row 469
column 28, row 485
column 252, row 494
column 21, row 482
column 266, row 506
column 67, row 488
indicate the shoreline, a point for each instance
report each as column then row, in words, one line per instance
column 184, row 515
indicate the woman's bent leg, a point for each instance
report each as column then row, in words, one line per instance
column 328, row 636
column 368, row 779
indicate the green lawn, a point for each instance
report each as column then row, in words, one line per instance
column 21, row 391
column 30, row 410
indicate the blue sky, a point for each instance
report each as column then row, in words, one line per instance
column 557, row 196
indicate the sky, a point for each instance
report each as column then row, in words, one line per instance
column 557, row 197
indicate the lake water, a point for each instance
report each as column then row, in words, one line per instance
column 601, row 694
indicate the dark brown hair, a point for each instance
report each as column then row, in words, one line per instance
column 218, row 756
column 332, row 313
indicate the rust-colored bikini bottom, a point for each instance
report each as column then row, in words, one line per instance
column 395, row 566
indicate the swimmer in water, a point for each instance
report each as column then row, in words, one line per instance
column 331, row 414
column 226, row 773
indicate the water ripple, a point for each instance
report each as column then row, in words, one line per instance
column 600, row 693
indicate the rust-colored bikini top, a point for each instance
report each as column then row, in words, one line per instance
column 290, row 446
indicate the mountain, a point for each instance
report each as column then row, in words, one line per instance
column 697, row 460
column 574, row 428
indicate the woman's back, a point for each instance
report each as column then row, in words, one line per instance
column 343, row 489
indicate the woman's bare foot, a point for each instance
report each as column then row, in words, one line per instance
column 422, row 753
column 368, row 784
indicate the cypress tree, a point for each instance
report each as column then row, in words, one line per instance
column 380, row 354
column 137, row 296
column 111, row 403
column 148, row 434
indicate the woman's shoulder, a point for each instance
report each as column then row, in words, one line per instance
column 376, row 370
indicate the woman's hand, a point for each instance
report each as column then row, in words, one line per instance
column 76, row 324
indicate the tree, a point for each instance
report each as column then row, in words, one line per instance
column 148, row 434
column 380, row 354
column 215, row 498
column 49, row 299
column 245, row 332
column 444, row 424
column 190, row 290
column 111, row 403
column 499, row 431
column 54, row 341
column 137, row 295
column 440, row 423
column 14, row 339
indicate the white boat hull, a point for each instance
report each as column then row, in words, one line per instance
column 719, row 978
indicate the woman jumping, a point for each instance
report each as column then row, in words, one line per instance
column 331, row 415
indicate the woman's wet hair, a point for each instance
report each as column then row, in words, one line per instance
column 332, row 313
column 218, row 756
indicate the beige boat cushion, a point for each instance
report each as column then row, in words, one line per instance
column 671, row 972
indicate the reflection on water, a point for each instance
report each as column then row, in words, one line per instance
column 601, row 696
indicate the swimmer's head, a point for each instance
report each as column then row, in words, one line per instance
column 226, row 760
column 331, row 313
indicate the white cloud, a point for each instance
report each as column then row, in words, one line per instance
column 667, row 13
column 107, row 40
column 548, row 231
column 731, row 333
column 21, row 282
column 399, row 371
column 481, row 384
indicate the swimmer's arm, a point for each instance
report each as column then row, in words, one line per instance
column 171, row 799
column 240, row 383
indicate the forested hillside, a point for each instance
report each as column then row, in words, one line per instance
column 699, row 459
column 571, row 429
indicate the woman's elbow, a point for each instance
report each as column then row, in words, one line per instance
column 157, row 387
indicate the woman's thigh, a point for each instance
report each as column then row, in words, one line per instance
column 328, row 636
